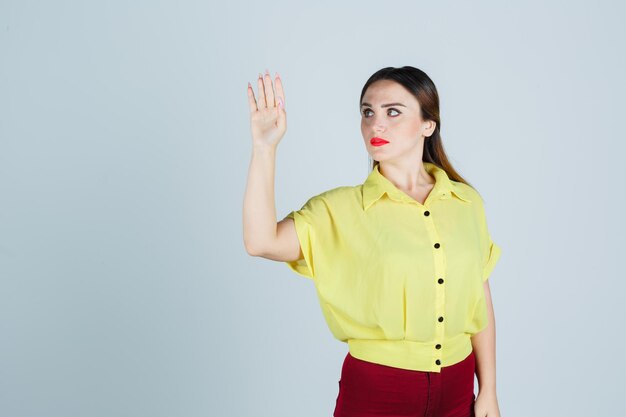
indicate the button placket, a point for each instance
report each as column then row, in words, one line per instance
column 438, row 279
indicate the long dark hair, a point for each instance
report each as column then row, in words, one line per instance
column 422, row 87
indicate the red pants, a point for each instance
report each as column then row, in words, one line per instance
column 368, row 389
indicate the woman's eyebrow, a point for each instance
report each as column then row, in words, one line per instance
column 383, row 105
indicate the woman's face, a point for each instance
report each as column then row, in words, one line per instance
column 390, row 112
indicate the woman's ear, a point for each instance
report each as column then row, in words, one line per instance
column 429, row 128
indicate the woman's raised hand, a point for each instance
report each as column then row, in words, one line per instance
column 268, row 119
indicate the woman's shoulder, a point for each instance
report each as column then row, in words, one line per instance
column 466, row 191
column 338, row 194
column 344, row 197
column 341, row 191
column 477, row 202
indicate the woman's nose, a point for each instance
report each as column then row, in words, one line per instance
column 379, row 124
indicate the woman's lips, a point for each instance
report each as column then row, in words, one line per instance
column 378, row 141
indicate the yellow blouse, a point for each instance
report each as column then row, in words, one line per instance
column 400, row 282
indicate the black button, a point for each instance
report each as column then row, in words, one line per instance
column 438, row 362
column 427, row 213
column 437, row 346
column 440, row 319
column 440, row 280
column 437, row 245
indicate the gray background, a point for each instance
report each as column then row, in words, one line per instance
column 125, row 289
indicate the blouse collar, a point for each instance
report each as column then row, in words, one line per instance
column 377, row 184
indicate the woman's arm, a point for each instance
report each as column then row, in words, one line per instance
column 484, row 346
column 262, row 236
column 259, row 212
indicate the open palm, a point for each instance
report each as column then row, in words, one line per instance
column 268, row 119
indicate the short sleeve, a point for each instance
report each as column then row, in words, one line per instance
column 491, row 250
column 310, row 221
column 492, row 258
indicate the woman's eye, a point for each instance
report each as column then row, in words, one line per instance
column 366, row 111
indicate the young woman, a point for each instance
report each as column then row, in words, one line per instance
column 400, row 262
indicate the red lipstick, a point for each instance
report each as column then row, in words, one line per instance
column 376, row 141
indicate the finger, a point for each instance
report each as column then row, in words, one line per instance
column 251, row 100
column 279, row 89
column 269, row 89
column 261, row 99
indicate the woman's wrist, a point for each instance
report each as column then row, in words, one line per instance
column 489, row 390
